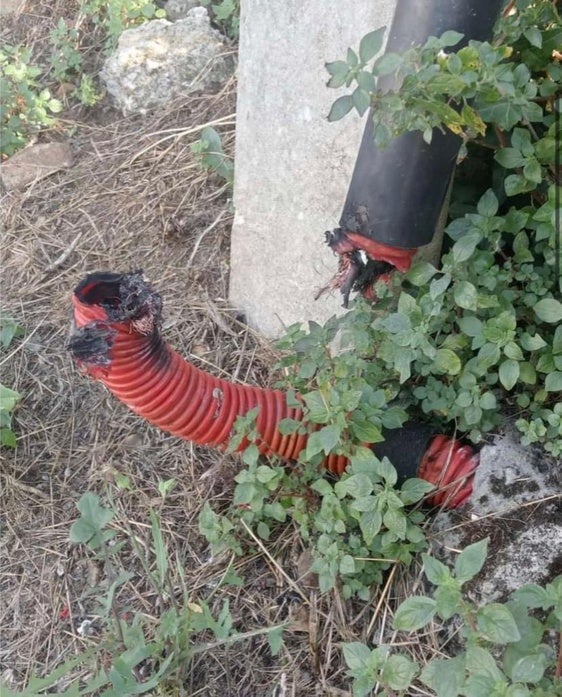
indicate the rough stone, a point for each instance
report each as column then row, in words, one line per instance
column 517, row 504
column 178, row 9
column 292, row 167
column 161, row 60
column 35, row 162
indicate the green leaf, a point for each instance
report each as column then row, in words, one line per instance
column 288, row 426
column 413, row 490
column 347, row 564
column 532, row 343
column 355, row 485
column 371, row 44
column 549, row 310
column 529, row 669
column 465, row 295
column 365, row 431
column 8, row 398
column 510, row 158
column 421, row 273
column 436, row 572
column 553, row 382
column 470, row 325
column 352, row 58
column 395, row 521
column 314, row 445
column 449, row 600
column 532, row 171
column 532, row 595
column 447, row 362
column 398, row 672
column 342, row 106
column 370, row 524
column 387, row 63
column 414, row 613
column 329, row 436
column 160, row 551
column 488, row 204
column 361, row 100
column 509, row 373
column 439, row 286
column 497, row 624
column 480, row 661
column 366, row 81
column 338, row 71
column 275, row 640
column 516, row 184
column 445, row 676
column 512, row 350
column 464, row 248
column 357, row 656
column 504, row 112
column 533, row 36
column 91, row 510
column 317, row 406
column 487, row 401
column 471, row 560
column 8, row 438
column 450, row 38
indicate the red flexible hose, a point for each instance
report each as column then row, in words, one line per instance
column 116, row 340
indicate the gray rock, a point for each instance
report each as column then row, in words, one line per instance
column 517, row 504
column 161, row 60
column 35, row 162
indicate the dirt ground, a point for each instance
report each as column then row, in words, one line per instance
column 136, row 199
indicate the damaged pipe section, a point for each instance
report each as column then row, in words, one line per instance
column 396, row 195
column 116, row 339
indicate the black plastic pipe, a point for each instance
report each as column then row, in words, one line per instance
column 396, row 194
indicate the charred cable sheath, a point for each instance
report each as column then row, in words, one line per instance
column 116, row 339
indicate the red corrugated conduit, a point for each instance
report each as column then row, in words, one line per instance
column 116, row 339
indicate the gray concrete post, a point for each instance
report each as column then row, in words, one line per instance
column 292, row 166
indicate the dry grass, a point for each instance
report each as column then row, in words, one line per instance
column 136, row 198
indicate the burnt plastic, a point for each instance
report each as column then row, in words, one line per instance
column 396, row 194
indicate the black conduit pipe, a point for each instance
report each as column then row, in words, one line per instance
column 396, row 194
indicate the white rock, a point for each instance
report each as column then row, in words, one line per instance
column 516, row 503
column 161, row 60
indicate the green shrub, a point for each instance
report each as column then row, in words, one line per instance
column 9, row 329
column 114, row 16
column 481, row 336
column 25, row 107
column 505, row 648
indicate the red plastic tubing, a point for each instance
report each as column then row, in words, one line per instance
column 162, row 387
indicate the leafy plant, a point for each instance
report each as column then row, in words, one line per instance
column 25, row 107
column 226, row 14
column 87, row 92
column 355, row 528
column 505, row 646
column 482, row 333
column 210, row 154
column 114, row 16
column 66, row 57
column 144, row 655
column 9, row 329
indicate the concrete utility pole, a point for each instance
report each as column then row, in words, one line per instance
column 292, row 167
